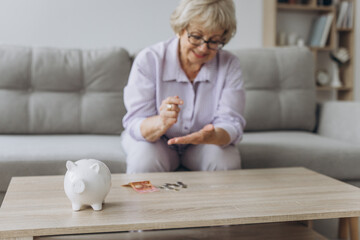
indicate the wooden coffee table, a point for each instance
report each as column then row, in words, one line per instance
column 38, row 206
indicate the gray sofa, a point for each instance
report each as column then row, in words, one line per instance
column 62, row 104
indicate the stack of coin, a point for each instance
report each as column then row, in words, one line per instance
column 173, row 186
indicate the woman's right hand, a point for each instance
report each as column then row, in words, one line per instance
column 169, row 111
column 152, row 128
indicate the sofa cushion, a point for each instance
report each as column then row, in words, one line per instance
column 51, row 91
column 331, row 157
column 32, row 155
column 340, row 120
column 280, row 88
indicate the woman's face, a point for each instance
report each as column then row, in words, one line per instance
column 198, row 54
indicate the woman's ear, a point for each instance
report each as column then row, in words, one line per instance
column 180, row 33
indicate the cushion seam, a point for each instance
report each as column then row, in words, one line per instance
column 29, row 89
column 82, row 93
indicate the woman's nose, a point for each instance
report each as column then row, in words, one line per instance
column 203, row 47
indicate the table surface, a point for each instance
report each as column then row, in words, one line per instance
column 37, row 206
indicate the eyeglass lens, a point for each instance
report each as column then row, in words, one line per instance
column 198, row 40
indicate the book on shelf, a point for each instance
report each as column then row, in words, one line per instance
column 326, row 30
column 349, row 19
column 320, row 30
column 345, row 15
column 317, row 27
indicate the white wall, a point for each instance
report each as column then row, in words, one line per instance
column 357, row 52
column 132, row 24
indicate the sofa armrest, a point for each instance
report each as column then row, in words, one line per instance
column 340, row 120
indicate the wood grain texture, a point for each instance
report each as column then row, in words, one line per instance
column 37, row 206
column 269, row 23
column 269, row 231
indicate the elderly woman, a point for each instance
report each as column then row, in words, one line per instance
column 185, row 96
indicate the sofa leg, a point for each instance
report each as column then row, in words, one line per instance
column 349, row 225
column 343, row 228
column 354, row 228
column 309, row 224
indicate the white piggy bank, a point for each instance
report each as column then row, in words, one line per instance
column 87, row 182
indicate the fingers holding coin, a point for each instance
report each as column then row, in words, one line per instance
column 172, row 107
column 171, row 104
column 169, row 110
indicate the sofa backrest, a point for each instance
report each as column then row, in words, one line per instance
column 58, row 91
column 280, row 88
column 71, row 91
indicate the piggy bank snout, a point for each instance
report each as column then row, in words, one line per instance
column 78, row 186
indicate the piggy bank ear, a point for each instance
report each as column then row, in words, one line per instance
column 70, row 165
column 95, row 167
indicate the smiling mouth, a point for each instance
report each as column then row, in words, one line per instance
column 199, row 56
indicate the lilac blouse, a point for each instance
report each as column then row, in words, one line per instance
column 217, row 95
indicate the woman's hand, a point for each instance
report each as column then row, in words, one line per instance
column 207, row 135
column 169, row 111
column 154, row 127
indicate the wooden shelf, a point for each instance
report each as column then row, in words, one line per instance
column 344, row 29
column 304, row 7
column 328, row 48
column 327, row 88
column 287, row 18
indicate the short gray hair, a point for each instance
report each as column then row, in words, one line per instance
column 212, row 14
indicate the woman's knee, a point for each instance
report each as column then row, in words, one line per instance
column 210, row 157
column 219, row 158
column 144, row 157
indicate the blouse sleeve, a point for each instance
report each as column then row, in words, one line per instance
column 139, row 94
column 230, row 110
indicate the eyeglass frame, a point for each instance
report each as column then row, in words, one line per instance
column 222, row 44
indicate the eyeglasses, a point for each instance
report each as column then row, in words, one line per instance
column 198, row 41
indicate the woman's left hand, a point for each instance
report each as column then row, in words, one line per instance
column 205, row 136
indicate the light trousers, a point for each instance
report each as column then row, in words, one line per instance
column 142, row 156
